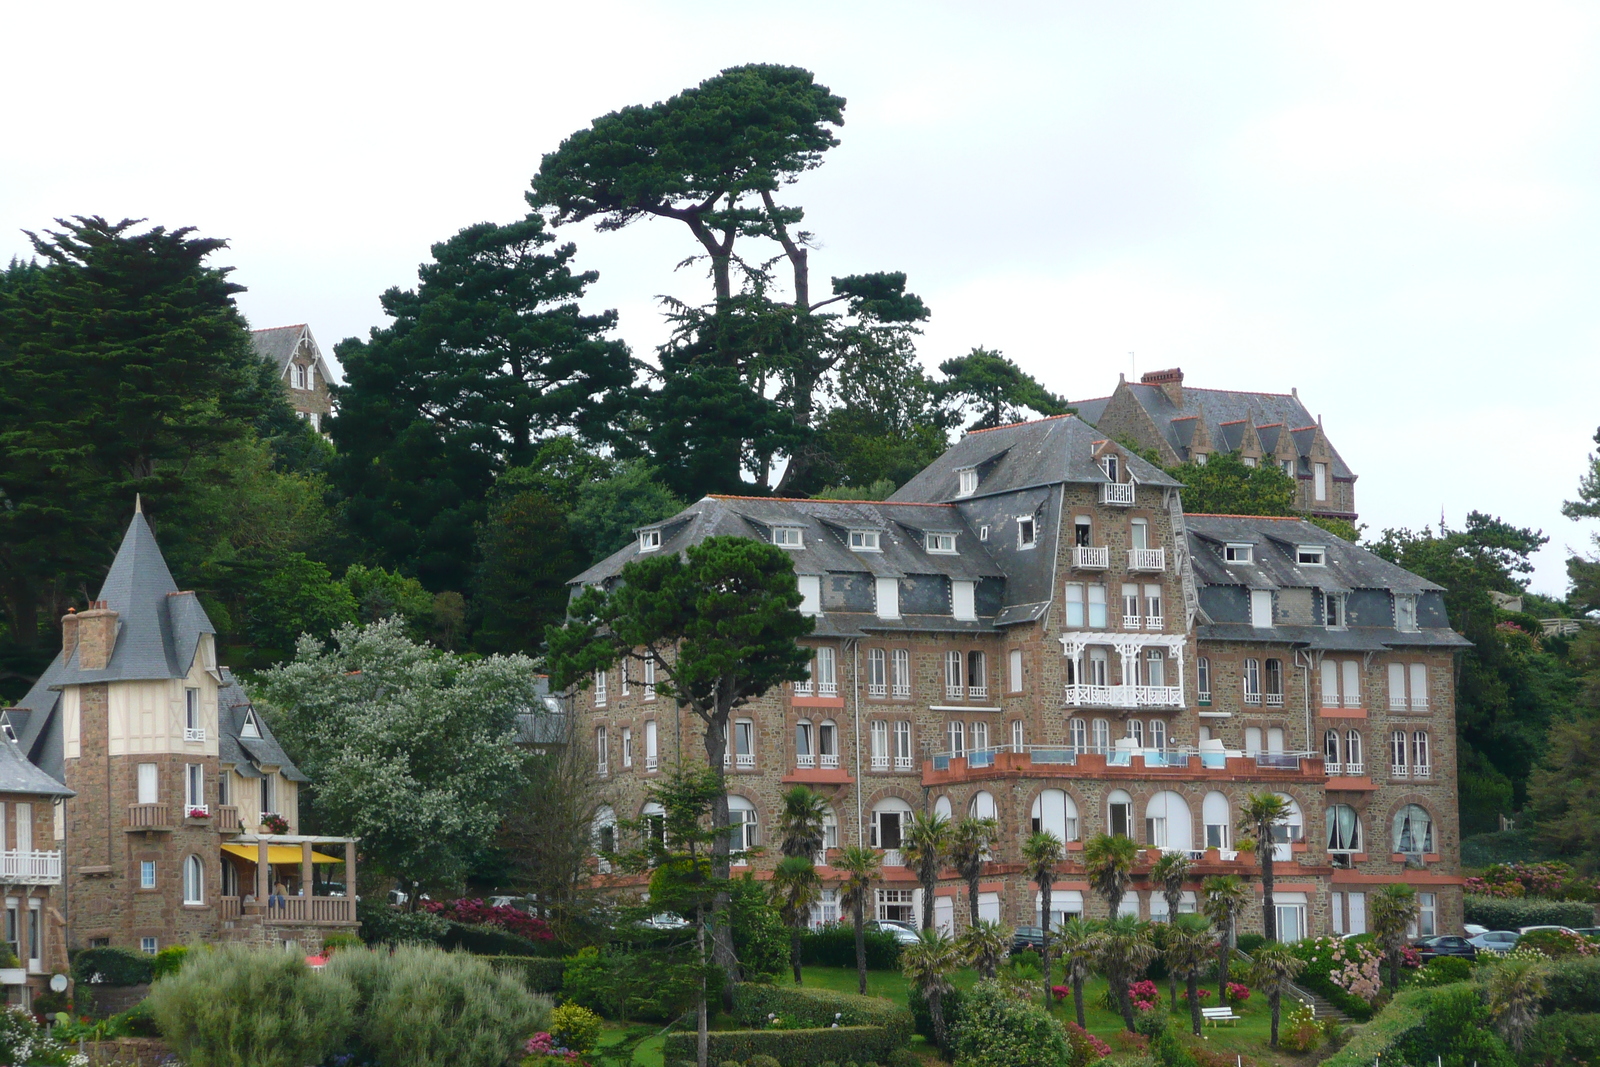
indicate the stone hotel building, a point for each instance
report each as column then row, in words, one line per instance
column 1033, row 629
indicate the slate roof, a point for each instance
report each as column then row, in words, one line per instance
column 18, row 775
column 277, row 345
column 249, row 755
column 1023, row 455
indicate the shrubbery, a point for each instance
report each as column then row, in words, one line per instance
column 1551, row 881
column 1572, row 985
column 381, row 924
column 835, row 946
column 1443, row 970
column 235, row 1005
column 952, row 1003
column 1248, row 943
column 1510, row 914
column 792, row 1048
column 754, row 1003
column 575, row 1027
column 542, row 974
column 115, row 966
column 472, row 912
column 23, row 1040
column 998, row 1031
column 637, row 985
column 1346, row 973
column 1558, row 944
column 1563, row 1039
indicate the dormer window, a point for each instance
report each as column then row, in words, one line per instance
column 864, row 541
column 942, row 543
column 1310, row 555
column 1111, row 467
column 1027, row 532
column 1333, row 611
column 1405, row 612
column 11, row 734
column 968, row 481
column 250, row 727
column 788, row 537
column 1238, row 553
column 649, row 540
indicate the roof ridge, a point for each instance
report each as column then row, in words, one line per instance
column 815, row 500
column 290, row 326
column 1226, row 515
column 1297, row 429
column 1239, row 392
column 1025, row 422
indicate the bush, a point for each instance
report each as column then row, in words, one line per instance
column 637, row 985
column 1558, row 944
column 1377, row 1040
column 448, row 1009
column 997, row 1031
column 792, row 1048
column 752, row 1004
column 23, row 1040
column 168, row 961
column 1084, row 1047
column 1563, row 1039
column 237, row 1005
column 1455, row 1027
column 542, row 974
column 1248, row 943
column 1443, row 970
column 1511, row 913
column 953, row 1004
column 575, row 1027
column 760, row 939
column 1343, row 972
column 1300, row 1032
column 115, row 966
column 904, row 1057
column 835, row 946
column 335, row 942
column 381, row 924
column 1572, row 985
column 489, row 941
column 472, row 912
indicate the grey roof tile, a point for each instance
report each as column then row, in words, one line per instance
column 18, row 775
column 233, row 707
column 277, row 345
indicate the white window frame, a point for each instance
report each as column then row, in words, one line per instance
column 788, row 537
column 1333, row 611
column 940, row 544
column 1311, row 555
column 1097, row 619
column 1014, row 663
column 650, row 540
column 194, row 786
column 1202, row 672
column 600, row 751
column 887, row 597
column 600, row 696
column 147, row 874
column 877, row 673
column 1405, row 613
column 194, row 881
column 903, row 759
column 1027, row 532
column 966, row 481
column 1319, row 481
column 983, row 532
column 250, row 728
column 900, row 672
column 963, row 599
column 1017, row 744
column 1234, row 552
column 193, row 729
column 649, row 676
column 149, row 946
column 1250, row 681
column 627, row 746
column 865, row 541
column 148, row 783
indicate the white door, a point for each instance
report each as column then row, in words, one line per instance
column 147, row 783
column 24, row 827
column 1358, row 913
column 944, row 915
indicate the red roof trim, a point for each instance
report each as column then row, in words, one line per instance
column 1029, row 422
column 814, row 500
column 1220, row 515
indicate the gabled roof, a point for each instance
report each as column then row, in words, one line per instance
column 158, row 627
column 1052, row 451
column 249, row 755
column 18, row 775
column 278, row 344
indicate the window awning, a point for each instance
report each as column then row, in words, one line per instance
column 279, row 854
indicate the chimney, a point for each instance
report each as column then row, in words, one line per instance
column 1170, row 381
column 69, row 633
column 97, row 636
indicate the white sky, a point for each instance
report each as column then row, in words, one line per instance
column 1392, row 207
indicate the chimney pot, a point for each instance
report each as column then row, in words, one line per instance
column 97, row 636
column 69, row 633
column 1170, row 381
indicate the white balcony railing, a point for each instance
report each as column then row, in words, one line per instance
column 1274, row 700
column 902, row 690
column 601, row 770
column 830, row 761
column 30, row 868
column 194, row 733
column 1132, row 622
column 1422, row 770
column 806, row 762
column 1124, row 696
column 746, row 761
column 880, row 763
column 1147, row 559
column 827, row 689
column 892, row 858
column 1333, row 770
column 1354, row 770
column 1153, row 622
column 1397, row 770
column 877, row 689
column 1397, row 702
column 802, row 689
column 1085, row 557
column 1352, row 700
column 1419, row 703
column 819, row 858
column 904, row 763
column 977, row 692
column 954, row 692
column 1116, row 493
column 650, row 763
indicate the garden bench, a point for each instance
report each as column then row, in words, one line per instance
column 1218, row 1015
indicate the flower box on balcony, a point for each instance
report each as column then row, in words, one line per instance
column 198, row 813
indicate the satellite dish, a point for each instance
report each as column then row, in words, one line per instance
column 58, row 983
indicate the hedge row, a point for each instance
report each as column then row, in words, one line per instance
column 835, row 946
column 542, row 974
column 1509, row 913
column 792, row 1048
column 1378, row 1038
column 114, row 966
column 1573, row 985
column 753, row 1003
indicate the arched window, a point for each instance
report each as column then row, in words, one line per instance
column 1078, row 735
column 1275, row 739
column 742, row 820
column 1202, row 668
column 977, row 675
column 1344, row 829
column 655, row 820
column 1421, row 761
column 1252, row 740
column 1286, row 833
column 1119, row 814
column 877, row 673
column 890, row 817
column 830, row 827
column 1136, row 731
column 1354, row 762
column 1413, row 831
column 942, row 807
column 1102, row 736
column 604, row 834
column 805, row 754
column 1397, row 754
column 958, row 737
column 982, row 806
column 194, row 881
column 1055, row 812
column 827, row 744
column 1251, row 680
column 980, row 735
column 953, row 688
column 1218, row 821
column 1330, row 752
column 1158, row 733
column 1166, row 823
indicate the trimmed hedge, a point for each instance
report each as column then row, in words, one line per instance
column 954, row 1009
column 1407, row 1013
column 835, row 946
column 1509, row 913
column 1573, row 985
column 115, row 966
column 792, row 1048
column 752, row 1003
column 541, row 973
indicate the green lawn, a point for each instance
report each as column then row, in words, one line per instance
column 639, row 1044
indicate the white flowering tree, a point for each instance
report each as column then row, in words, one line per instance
column 408, row 748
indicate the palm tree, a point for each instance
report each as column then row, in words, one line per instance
column 1076, row 938
column 1261, row 814
column 1109, row 863
column 1225, row 900
column 969, row 847
column 802, row 823
column 795, row 888
column 987, row 943
column 1123, row 949
column 1272, row 972
column 928, row 965
column 860, row 866
column 924, row 845
column 1514, row 989
column 1169, row 873
column 1188, row 954
column 1041, row 852
column 1390, row 912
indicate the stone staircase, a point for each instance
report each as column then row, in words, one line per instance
column 1324, row 1009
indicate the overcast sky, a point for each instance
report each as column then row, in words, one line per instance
column 1392, row 207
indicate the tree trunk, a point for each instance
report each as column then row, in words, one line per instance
column 722, row 951
column 936, row 1014
column 927, row 902
column 1394, row 970
column 972, row 900
column 794, row 953
column 1125, row 1002
column 861, row 948
column 1044, row 891
column 702, row 1040
column 1114, row 901
column 1269, row 914
column 1275, row 1000
column 1192, row 984
column 1223, row 952
column 1077, row 998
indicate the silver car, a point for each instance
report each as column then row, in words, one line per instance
column 902, row 932
column 1498, row 942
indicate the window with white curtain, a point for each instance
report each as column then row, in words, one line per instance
column 1251, row 679
column 1102, row 736
column 1421, row 761
column 1158, row 733
column 877, row 673
column 953, row 689
column 1397, row 754
column 901, row 674
column 980, row 736
column 880, row 745
column 1016, row 735
column 827, row 677
column 958, row 737
column 1344, row 829
column 1413, row 830
column 902, row 745
column 1015, row 679
column 1354, row 762
column 1078, row 735
column 1252, row 740
column 1419, row 687
column 1350, row 683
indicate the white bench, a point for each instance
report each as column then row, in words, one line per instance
column 1218, row 1015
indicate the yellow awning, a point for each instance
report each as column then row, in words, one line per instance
column 286, row 854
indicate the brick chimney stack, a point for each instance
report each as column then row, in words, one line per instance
column 69, row 633
column 96, row 636
column 1170, row 381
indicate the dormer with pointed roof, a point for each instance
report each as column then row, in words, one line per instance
column 301, row 368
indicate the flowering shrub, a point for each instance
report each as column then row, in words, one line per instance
column 1204, row 993
column 1558, row 944
column 1145, row 995
column 1409, row 957
column 1348, row 973
column 1301, row 1032
column 1085, row 1047
column 1553, row 881
column 576, row 1027
column 477, row 913
column 1238, row 992
column 23, row 1040
column 273, row 823
column 1060, row 992
column 199, row 813
column 543, row 1051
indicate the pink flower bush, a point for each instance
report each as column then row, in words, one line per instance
column 1060, row 992
column 1204, row 993
column 1555, row 881
column 1238, row 992
column 1145, row 995
column 477, row 913
column 542, row 1044
column 1086, row 1048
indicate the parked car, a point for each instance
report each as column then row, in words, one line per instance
column 1473, row 929
column 665, row 921
column 1028, row 939
column 1531, row 929
column 1448, row 945
column 1587, row 931
column 903, row 932
column 1498, row 942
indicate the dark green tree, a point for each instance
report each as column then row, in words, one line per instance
column 720, row 621
column 485, row 360
column 994, row 391
column 1224, row 485
column 527, row 556
column 608, row 511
